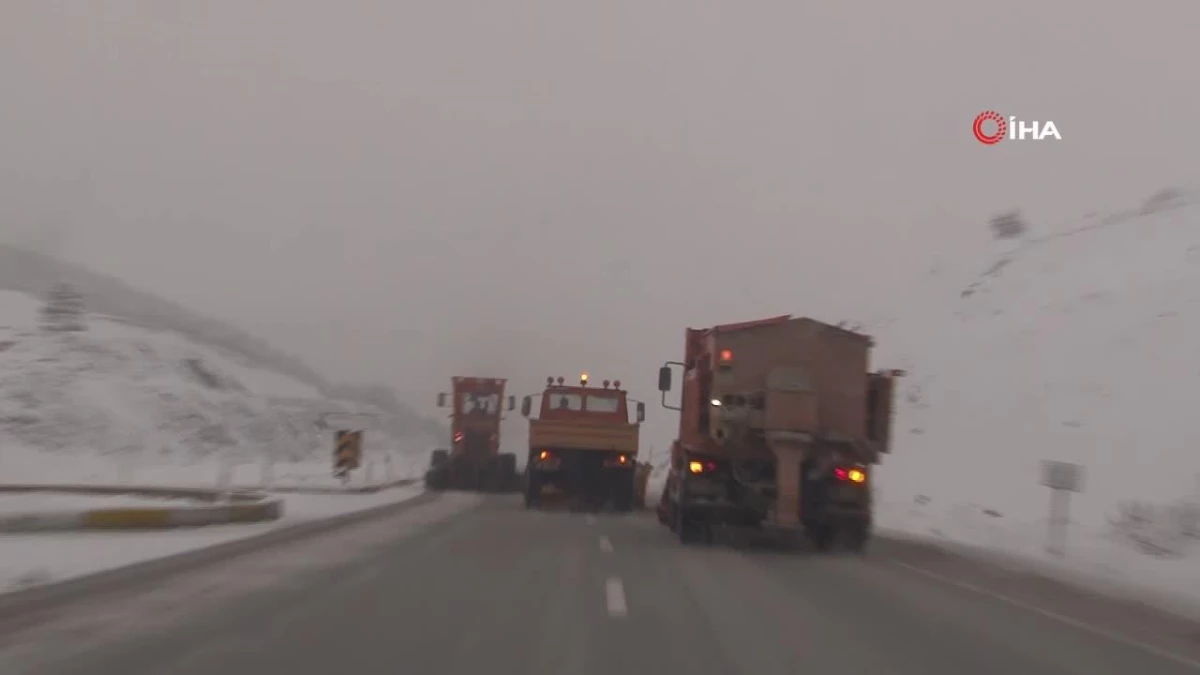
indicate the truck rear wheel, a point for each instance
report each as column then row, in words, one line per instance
column 691, row 529
column 533, row 491
column 821, row 534
column 855, row 535
column 487, row 478
column 506, row 472
column 439, row 457
column 623, row 493
column 437, row 475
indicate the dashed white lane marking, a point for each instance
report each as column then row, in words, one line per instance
column 1074, row 623
column 591, row 520
column 614, row 597
column 606, row 545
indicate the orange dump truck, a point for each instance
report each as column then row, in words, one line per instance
column 780, row 423
column 474, row 461
column 582, row 446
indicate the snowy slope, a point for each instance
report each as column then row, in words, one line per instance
column 1079, row 346
column 121, row 394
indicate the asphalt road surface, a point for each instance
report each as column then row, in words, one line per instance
column 469, row 585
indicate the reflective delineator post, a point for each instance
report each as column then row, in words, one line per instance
column 1062, row 478
column 225, row 478
column 267, row 473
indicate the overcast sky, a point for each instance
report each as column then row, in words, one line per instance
column 404, row 190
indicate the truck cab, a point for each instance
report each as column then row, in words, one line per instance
column 474, row 460
column 475, row 414
column 582, row 444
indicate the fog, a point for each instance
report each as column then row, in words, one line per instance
column 402, row 191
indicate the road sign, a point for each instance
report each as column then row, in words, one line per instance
column 346, row 420
column 1062, row 476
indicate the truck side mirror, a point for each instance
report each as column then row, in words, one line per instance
column 512, row 402
column 441, row 400
column 664, row 378
column 526, row 404
column 641, row 412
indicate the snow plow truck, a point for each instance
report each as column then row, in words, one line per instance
column 582, row 446
column 780, row 424
column 473, row 461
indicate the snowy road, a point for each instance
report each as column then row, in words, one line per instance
column 466, row 584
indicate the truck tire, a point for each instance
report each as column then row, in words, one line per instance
column 532, row 492
column 488, row 478
column 855, row 535
column 623, row 494
column 437, row 475
column 821, row 534
column 506, row 471
column 690, row 529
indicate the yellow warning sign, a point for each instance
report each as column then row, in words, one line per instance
column 348, row 449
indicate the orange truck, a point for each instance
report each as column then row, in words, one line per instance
column 780, row 424
column 474, row 461
column 582, row 446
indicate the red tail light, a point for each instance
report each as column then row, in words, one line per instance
column 852, row 475
column 458, row 436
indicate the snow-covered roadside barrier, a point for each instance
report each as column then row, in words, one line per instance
column 25, row 508
column 42, row 566
column 25, row 466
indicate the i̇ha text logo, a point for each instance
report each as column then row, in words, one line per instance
column 991, row 127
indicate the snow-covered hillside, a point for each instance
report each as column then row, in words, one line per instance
column 119, row 394
column 1078, row 346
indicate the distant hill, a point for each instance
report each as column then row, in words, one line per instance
column 34, row 273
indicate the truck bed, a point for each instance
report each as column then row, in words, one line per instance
column 577, row 436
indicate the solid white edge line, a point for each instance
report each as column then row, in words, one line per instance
column 1074, row 623
column 614, row 597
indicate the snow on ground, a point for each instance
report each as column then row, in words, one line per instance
column 54, row 502
column 1078, row 346
column 122, row 399
column 175, row 346
column 125, row 405
column 1094, row 557
column 35, row 559
column 24, row 466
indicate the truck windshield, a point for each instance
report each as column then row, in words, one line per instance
column 565, row 401
column 603, row 404
column 480, row 404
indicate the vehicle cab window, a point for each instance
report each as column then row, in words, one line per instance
column 487, row 405
column 565, row 401
column 602, row 404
